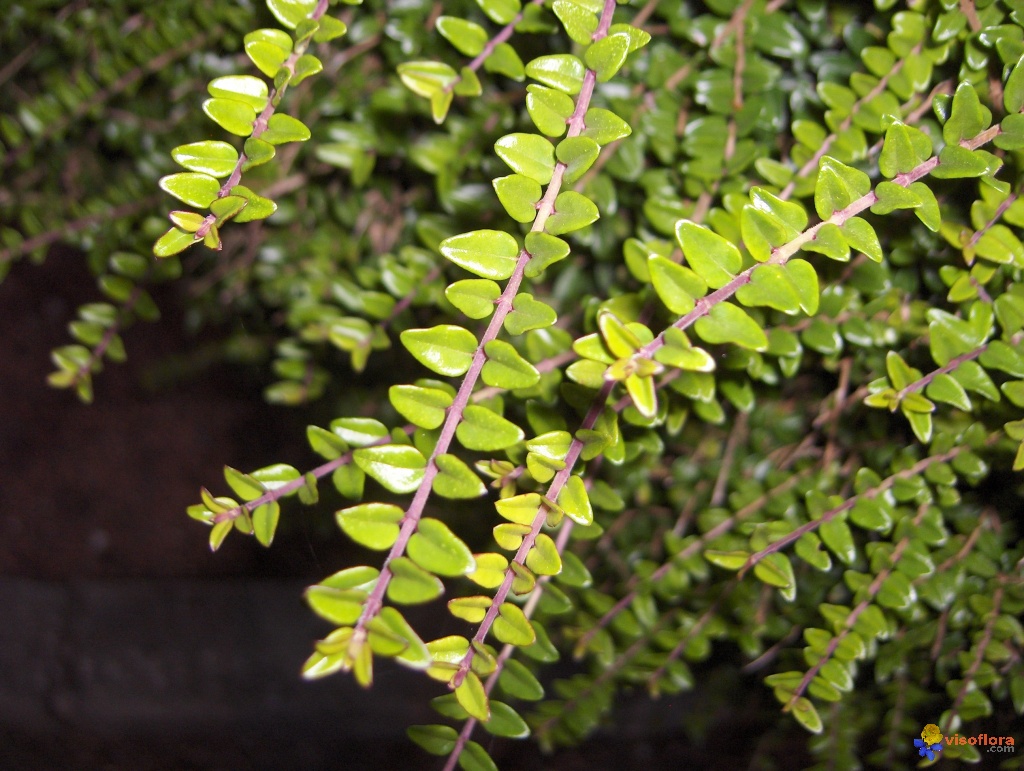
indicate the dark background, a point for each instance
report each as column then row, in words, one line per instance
column 126, row 644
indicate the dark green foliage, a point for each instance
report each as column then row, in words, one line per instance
column 711, row 313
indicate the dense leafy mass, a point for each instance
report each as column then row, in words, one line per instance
column 710, row 312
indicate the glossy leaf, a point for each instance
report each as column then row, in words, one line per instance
column 563, row 72
column 527, row 154
column 519, row 195
column 727, row 323
column 714, row 259
column 291, row 12
column 399, row 468
column 373, row 525
column 410, row 584
column 473, row 296
column 214, row 158
column 284, row 128
column 438, row 550
column 487, row 253
column 504, row 367
column 195, row 189
column 425, row 407
column 456, row 480
column 231, row 115
column 483, row 430
column 445, row 349
column 607, row 55
column 572, row 212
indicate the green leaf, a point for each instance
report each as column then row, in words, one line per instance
column 505, row 61
column 957, row 162
column 512, row 627
column 776, row 570
column 861, row 236
column 438, row 550
column 227, row 207
column 291, row 12
column 284, row 128
column 572, row 211
column 506, row 722
column 604, row 126
column 896, row 592
column 195, row 189
column 484, row 430
column 607, row 55
column 805, row 713
column 712, row 257
column 967, row 117
column 580, row 23
column 187, row 221
column 256, row 206
column 410, row 584
column 677, row 286
column 549, row 109
column 527, row 154
column 892, row 197
column 424, row 407
column 619, row 339
column 474, row 757
column 241, row 88
column 306, row 66
column 231, row 115
column 339, row 606
column 563, row 72
column 468, row 38
column 543, row 558
column 445, row 349
column 729, row 560
column 519, row 195
column 575, row 502
column 330, row 29
column 519, row 682
column 244, row 486
column 359, row 432
column 678, row 352
column 727, row 323
column 770, row 286
column 399, row 468
column 473, row 698
column 435, row 739
column 373, row 525
column 944, row 388
column 487, row 253
column 264, row 521
column 504, row 367
column 768, row 222
column 838, row 186
column 901, row 152
column 1013, row 91
column 268, row 49
column 473, row 296
column 427, row 79
column 217, row 159
column 173, row 241
column 528, row 314
column 1011, row 132
column 545, row 250
column 456, row 480
column 520, row 509
column 490, row 570
column 500, row 11
column 578, row 154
